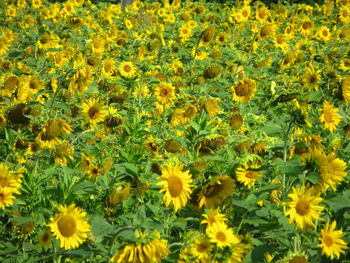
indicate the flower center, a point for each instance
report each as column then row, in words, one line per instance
column 3, row 181
column 175, row 186
column 92, row 112
column 250, row 175
column 67, row 226
column 202, row 247
column 127, row 68
column 241, row 90
column 328, row 241
column 327, row 116
column 325, row 33
column 302, row 207
column 313, row 79
column 221, row 236
column 164, row 92
column 2, row 197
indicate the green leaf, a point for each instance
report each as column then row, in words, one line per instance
column 100, row 227
column 131, row 169
column 339, row 202
column 313, row 177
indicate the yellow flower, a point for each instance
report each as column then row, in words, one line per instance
column 304, row 208
column 9, row 180
column 36, row 4
column 222, row 235
column 176, row 185
column 212, row 106
column 332, row 243
column 108, row 67
column 70, row 226
column 152, row 251
column 6, row 197
column 324, row 34
column 213, row 216
column 330, row 116
column 311, row 78
column 201, row 248
column 215, row 191
column 344, row 14
column 346, row 89
column 247, row 177
column 93, row 112
column 165, row 93
column 244, row 90
column 127, row 69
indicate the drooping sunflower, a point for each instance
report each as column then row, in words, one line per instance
column 165, row 93
column 127, row 69
column 49, row 136
column 176, row 185
column 244, row 90
column 247, row 176
column 335, row 169
column 220, row 234
column 70, row 226
column 331, row 240
column 304, row 208
column 216, row 191
column 311, row 78
column 108, row 67
column 212, row 106
column 330, row 116
column 9, row 180
column 151, row 251
column 6, row 197
column 93, row 112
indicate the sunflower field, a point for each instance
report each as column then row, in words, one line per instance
column 181, row 131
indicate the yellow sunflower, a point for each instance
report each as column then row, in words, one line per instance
column 6, row 197
column 311, row 78
column 344, row 14
column 201, row 248
column 330, row 116
column 70, row 226
column 212, row 106
column 345, row 87
column 335, row 169
column 108, row 67
column 246, row 176
column 152, row 251
column 244, row 90
column 220, row 234
column 127, row 69
column 165, row 93
column 9, row 180
column 304, row 208
column 332, row 243
column 216, row 191
column 324, row 34
column 176, row 185
column 213, row 216
column 93, row 112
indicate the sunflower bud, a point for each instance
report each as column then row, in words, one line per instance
column 236, row 121
column 119, row 194
column 172, row 146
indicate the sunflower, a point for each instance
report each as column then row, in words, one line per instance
column 345, row 87
column 93, row 112
column 45, row 239
column 70, row 226
column 9, row 180
column 201, row 248
column 212, row 106
column 63, row 151
column 151, row 251
column 344, row 14
column 214, row 192
column 6, row 197
column 127, row 69
column 189, row 112
column 165, row 93
column 119, row 194
column 262, row 14
column 324, row 34
column 332, row 243
column 201, row 55
column 81, row 79
column 244, row 90
column 176, row 184
column 304, row 208
column 185, row 32
column 345, row 64
column 108, row 67
column 311, row 78
column 48, row 41
column 36, row 4
column 213, row 216
column 49, row 136
column 335, row 170
column 247, row 176
column 330, row 116
column 222, row 235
